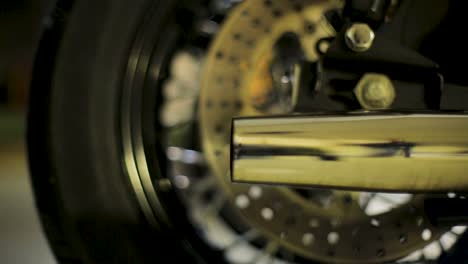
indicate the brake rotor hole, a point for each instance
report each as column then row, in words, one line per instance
column 277, row 13
column 277, row 205
column 267, row 213
column 347, row 199
column 224, row 104
column 314, row 223
column 232, row 59
column 310, row 27
column 283, row 235
column 308, row 239
column 335, row 222
column 298, row 7
column 242, row 201
column 333, row 238
column 238, row 105
column 256, row 22
column 236, row 83
column 237, row 36
column 255, row 192
column 219, row 129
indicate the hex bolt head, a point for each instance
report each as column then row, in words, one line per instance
column 359, row 37
column 375, row 91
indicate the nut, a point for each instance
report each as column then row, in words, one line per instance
column 359, row 37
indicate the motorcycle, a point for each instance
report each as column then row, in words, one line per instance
column 257, row 131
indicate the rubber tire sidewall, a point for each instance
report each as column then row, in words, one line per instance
column 77, row 128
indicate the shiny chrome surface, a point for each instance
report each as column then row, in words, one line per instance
column 383, row 152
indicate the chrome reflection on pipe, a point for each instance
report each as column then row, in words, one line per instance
column 381, row 152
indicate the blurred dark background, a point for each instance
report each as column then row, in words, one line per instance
column 21, row 237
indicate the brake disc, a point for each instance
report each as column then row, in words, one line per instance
column 330, row 226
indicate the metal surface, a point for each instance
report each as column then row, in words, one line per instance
column 328, row 226
column 371, row 12
column 375, row 91
column 377, row 152
column 359, row 37
column 417, row 78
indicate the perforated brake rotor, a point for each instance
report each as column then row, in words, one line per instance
column 331, row 227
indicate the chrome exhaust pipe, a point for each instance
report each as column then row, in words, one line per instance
column 376, row 152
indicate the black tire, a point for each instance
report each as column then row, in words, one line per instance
column 87, row 206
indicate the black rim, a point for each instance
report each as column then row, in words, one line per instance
column 145, row 160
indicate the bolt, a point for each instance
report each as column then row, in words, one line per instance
column 359, row 37
column 375, row 91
